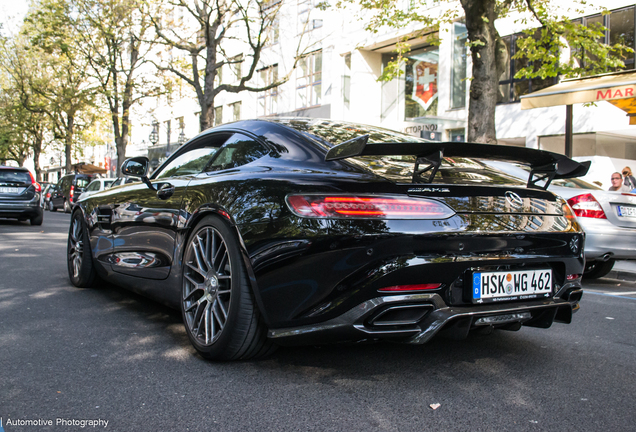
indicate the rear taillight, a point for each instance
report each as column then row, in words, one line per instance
column 36, row 185
column 586, row 206
column 72, row 191
column 48, row 194
column 367, row 207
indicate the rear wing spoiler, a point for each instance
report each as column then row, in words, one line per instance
column 545, row 166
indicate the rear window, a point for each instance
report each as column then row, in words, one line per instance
column 452, row 170
column 332, row 133
column 14, row 176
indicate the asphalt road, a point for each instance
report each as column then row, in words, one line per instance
column 106, row 354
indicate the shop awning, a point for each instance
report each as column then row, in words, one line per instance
column 619, row 89
column 84, row 168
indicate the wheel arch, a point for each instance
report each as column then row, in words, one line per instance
column 225, row 216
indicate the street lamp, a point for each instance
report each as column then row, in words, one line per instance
column 182, row 138
column 154, row 135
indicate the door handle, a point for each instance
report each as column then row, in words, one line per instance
column 165, row 191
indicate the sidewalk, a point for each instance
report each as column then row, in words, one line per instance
column 623, row 270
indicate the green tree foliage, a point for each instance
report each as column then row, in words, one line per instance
column 51, row 74
column 114, row 38
column 551, row 35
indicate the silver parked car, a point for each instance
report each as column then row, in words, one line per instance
column 608, row 218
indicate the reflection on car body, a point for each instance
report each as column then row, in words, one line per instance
column 608, row 219
column 303, row 231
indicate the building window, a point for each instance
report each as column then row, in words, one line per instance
column 620, row 29
column 346, row 81
column 421, row 82
column 458, row 73
column 457, row 135
column 236, row 111
column 236, row 64
column 309, row 80
column 304, row 9
column 511, row 88
column 272, row 31
column 218, row 115
column 268, row 99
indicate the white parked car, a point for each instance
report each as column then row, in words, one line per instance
column 95, row 186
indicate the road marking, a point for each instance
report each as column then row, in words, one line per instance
column 608, row 294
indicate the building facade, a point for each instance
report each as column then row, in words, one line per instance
column 337, row 77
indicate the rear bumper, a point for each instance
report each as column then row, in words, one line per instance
column 602, row 237
column 20, row 209
column 365, row 321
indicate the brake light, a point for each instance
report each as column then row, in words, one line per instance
column 35, row 184
column 48, row 194
column 72, row 191
column 365, row 207
column 418, row 287
column 587, row 206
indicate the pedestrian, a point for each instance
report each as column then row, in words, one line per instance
column 617, row 183
column 628, row 178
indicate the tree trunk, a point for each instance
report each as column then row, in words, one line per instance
column 37, row 151
column 68, row 143
column 120, row 142
column 485, row 80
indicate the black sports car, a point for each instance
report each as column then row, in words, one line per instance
column 305, row 231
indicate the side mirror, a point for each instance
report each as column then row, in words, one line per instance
column 135, row 167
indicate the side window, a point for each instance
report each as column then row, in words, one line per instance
column 194, row 159
column 238, row 150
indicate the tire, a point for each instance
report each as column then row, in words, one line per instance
column 597, row 269
column 218, row 309
column 37, row 220
column 79, row 261
column 67, row 207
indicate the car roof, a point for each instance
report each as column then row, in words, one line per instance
column 13, row 168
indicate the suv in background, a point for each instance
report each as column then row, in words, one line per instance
column 20, row 195
column 68, row 190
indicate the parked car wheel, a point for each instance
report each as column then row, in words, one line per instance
column 597, row 269
column 80, row 263
column 37, row 220
column 219, row 312
column 67, row 207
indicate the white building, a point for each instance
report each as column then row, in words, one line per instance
column 338, row 79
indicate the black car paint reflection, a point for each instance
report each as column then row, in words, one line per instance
column 306, row 271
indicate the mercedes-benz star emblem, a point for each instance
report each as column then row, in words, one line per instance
column 514, row 200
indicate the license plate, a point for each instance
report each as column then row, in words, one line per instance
column 625, row 211
column 13, row 190
column 511, row 285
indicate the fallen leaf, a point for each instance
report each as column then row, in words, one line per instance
column 435, row 406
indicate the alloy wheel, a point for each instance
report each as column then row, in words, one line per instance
column 207, row 285
column 76, row 246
